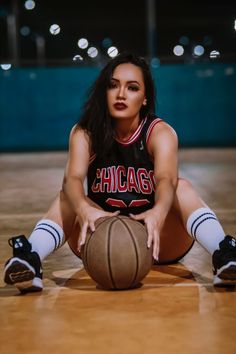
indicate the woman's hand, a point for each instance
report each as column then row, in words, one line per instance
column 87, row 217
column 153, row 225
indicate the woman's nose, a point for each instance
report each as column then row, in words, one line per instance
column 121, row 92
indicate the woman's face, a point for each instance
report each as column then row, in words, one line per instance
column 126, row 92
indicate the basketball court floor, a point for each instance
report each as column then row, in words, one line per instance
column 176, row 310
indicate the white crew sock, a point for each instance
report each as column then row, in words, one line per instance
column 46, row 237
column 205, row 228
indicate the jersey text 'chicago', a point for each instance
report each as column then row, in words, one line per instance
column 125, row 179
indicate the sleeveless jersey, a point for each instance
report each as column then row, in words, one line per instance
column 125, row 179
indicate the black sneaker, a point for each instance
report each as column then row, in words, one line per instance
column 24, row 269
column 224, row 263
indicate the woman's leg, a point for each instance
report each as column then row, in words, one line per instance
column 51, row 232
column 24, row 269
column 200, row 221
column 203, row 225
column 174, row 231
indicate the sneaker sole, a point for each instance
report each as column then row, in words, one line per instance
column 226, row 276
column 18, row 271
column 35, row 285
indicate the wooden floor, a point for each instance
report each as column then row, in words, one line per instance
column 177, row 310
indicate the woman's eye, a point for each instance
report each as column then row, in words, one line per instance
column 133, row 88
column 112, row 85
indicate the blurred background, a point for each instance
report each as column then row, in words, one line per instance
column 51, row 51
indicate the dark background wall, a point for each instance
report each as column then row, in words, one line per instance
column 38, row 106
column 45, row 86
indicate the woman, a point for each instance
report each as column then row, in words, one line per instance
column 129, row 157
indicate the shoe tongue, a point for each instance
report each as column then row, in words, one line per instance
column 21, row 244
column 233, row 242
column 18, row 243
column 229, row 241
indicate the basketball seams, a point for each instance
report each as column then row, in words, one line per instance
column 87, row 243
column 86, row 251
column 111, row 272
column 135, row 248
column 86, row 263
column 109, row 254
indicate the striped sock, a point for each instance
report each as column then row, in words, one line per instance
column 46, row 237
column 205, row 228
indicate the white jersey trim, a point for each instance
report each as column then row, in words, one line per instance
column 135, row 135
column 151, row 126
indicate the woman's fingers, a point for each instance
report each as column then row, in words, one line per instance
column 83, row 233
column 150, row 238
column 156, row 245
column 153, row 238
column 115, row 213
column 137, row 216
column 92, row 226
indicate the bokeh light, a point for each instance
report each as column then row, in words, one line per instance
column 178, row 50
column 198, row 50
column 214, row 54
column 92, row 52
column 229, row 71
column 155, row 63
column 54, row 29
column 112, row 52
column 78, row 58
column 83, row 43
column 25, row 31
column 184, row 40
column 6, row 66
column 29, row 5
column 106, row 43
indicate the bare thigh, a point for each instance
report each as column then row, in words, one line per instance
column 62, row 213
column 175, row 242
column 174, row 239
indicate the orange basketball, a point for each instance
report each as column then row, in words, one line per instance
column 116, row 254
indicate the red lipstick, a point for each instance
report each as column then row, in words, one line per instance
column 120, row 106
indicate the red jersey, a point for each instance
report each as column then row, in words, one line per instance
column 125, row 180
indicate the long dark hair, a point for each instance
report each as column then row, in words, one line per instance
column 95, row 118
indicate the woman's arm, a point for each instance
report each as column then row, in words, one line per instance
column 73, row 184
column 76, row 168
column 163, row 147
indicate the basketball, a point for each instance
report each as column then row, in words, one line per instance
column 115, row 255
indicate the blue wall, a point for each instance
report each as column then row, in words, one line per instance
column 39, row 106
column 199, row 101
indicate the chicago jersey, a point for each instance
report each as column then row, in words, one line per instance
column 125, row 180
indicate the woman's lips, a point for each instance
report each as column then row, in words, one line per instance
column 120, row 106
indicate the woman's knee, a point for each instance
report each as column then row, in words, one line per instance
column 187, row 198
column 61, row 211
column 184, row 185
